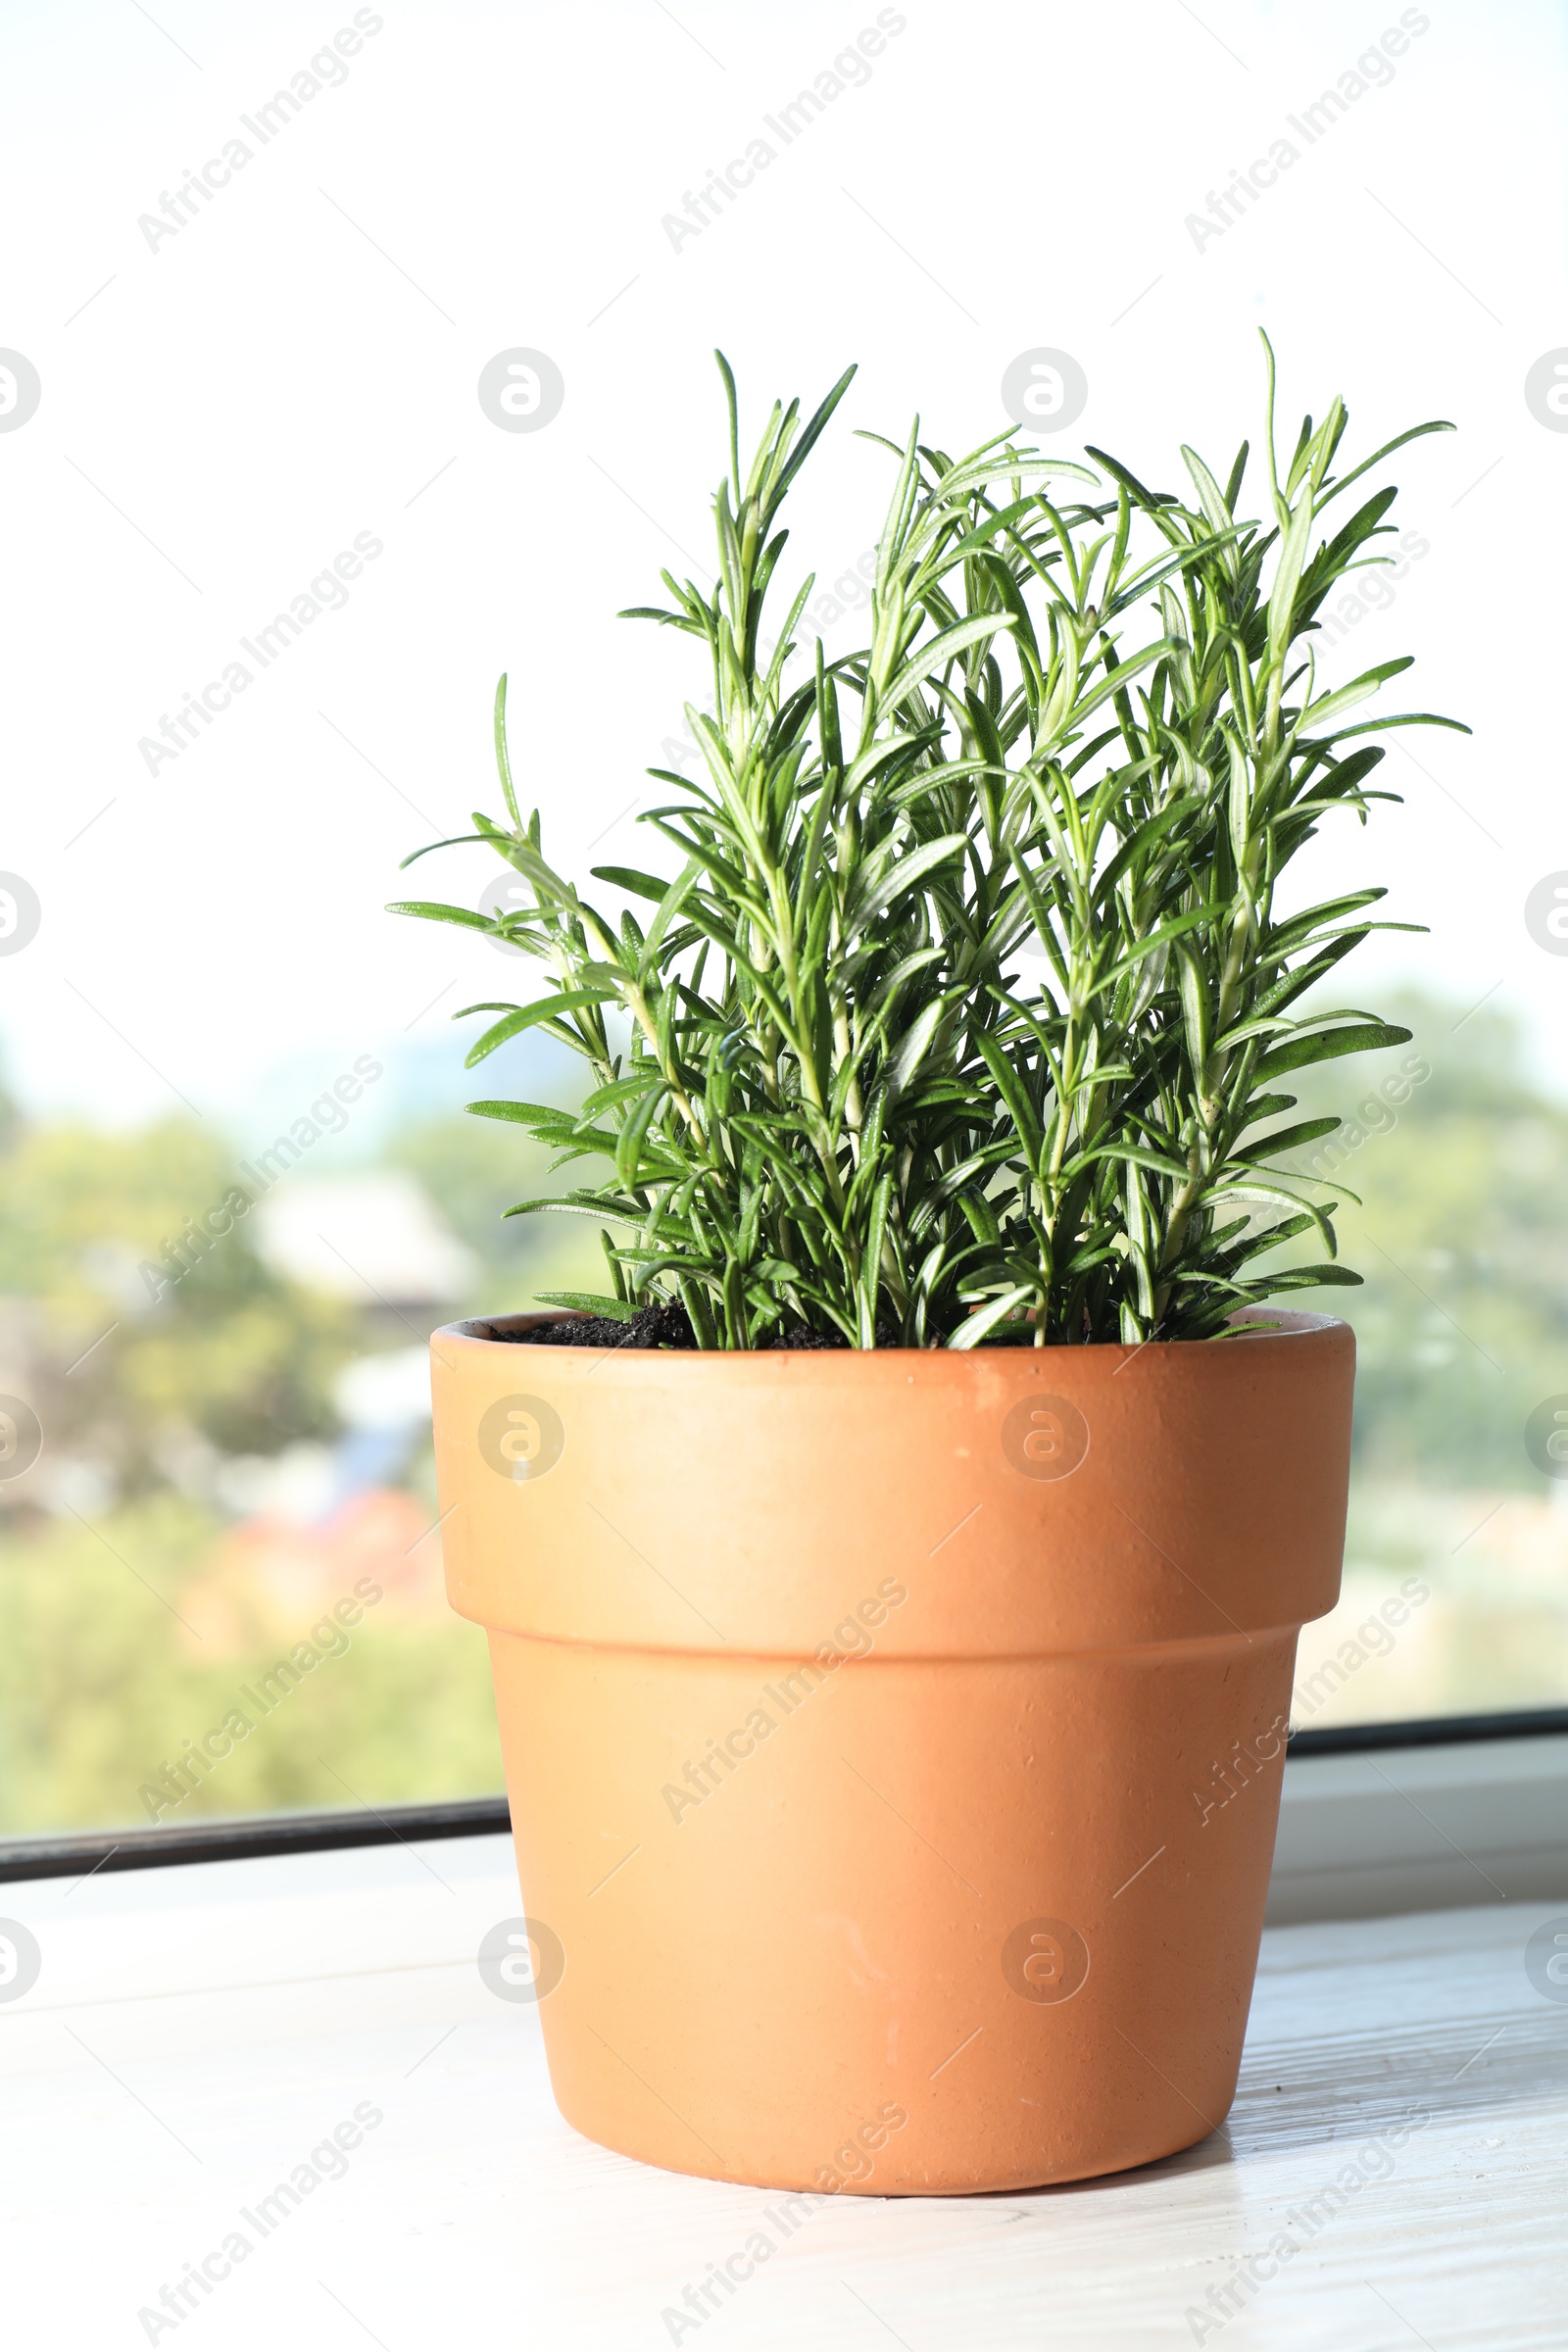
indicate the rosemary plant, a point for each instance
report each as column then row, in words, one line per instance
column 964, row 1014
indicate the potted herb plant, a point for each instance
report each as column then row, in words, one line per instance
column 893, row 1580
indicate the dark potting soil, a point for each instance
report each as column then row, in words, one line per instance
column 661, row 1327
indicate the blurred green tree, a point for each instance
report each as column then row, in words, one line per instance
column 126, row 1337
column 1460, row 1159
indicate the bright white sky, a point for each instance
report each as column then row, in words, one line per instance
column 299, row 365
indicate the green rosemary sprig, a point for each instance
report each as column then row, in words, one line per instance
column 964, row 1012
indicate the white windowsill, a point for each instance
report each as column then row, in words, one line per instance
column 1419, row 1829
column 199, row 2029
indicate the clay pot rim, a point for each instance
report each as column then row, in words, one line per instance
column 1266, row 1323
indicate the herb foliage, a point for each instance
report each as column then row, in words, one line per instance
column 963, row 1010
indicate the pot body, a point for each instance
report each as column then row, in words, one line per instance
column 894, row 1739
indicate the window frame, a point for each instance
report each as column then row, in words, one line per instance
column 1412, row 1862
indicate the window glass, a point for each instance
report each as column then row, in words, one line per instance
column 353, row 359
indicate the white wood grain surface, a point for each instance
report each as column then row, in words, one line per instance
column 194, row 2034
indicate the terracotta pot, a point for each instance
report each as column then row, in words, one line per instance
column 894, row 1739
